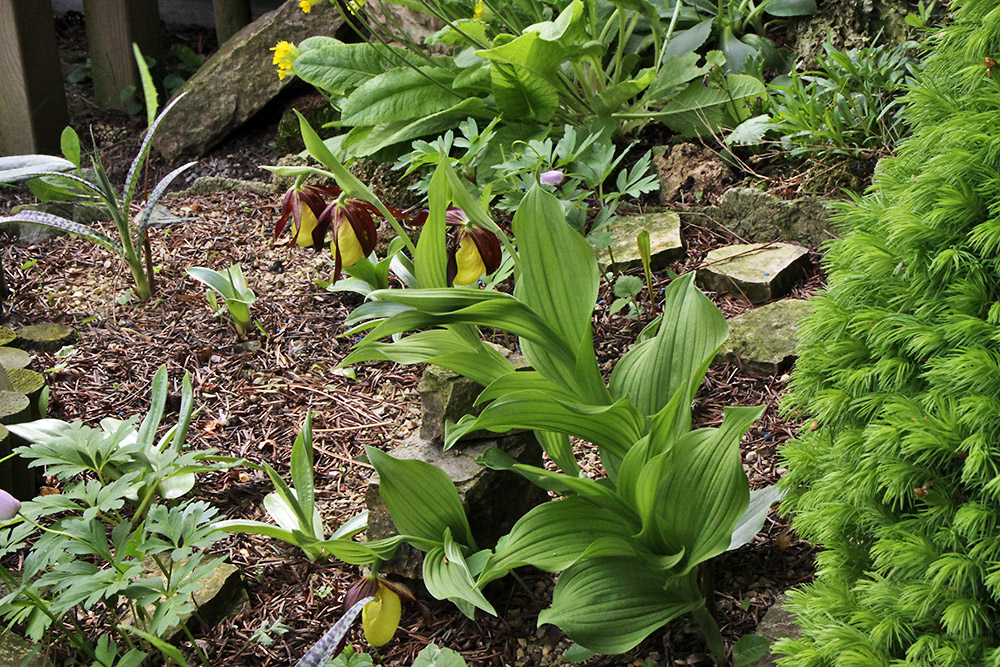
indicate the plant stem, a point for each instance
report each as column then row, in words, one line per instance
column 713, row 638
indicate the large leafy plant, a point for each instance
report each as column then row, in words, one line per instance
column 608, row 65
column 629, row 543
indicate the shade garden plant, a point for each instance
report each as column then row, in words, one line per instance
column 649, row 492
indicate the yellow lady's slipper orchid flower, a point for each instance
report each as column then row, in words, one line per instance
column 469, row 263
column 303, row 207
column 380, row 617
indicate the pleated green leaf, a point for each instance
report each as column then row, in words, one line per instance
column 689, row 335
column 401, row 94
column 609, row 605
column 705, row 490
column 614, row 427
column 430, row 261
column 553, row 536
column 447, row 577
column 421, row 498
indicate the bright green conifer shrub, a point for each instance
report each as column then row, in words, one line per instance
column 900, row 367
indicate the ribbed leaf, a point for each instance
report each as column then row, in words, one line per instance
column 401, row 94
column 705, row 491
column 430, row 261
column 553, row 536
column 482, row 364
column 559, row 449
column 339, row 68
column 521, row 381
column 132, row 178
column 303, row 473
column 753, row 518
column 421, row 498
column 688, row 337
column 613, row 427
column 447, row 576
column 609, row 605
column 157, row 402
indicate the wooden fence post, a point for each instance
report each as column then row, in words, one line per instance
column 33, row 102
column 112, row 26
column 230, row 17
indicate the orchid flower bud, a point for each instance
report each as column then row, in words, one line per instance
column 554, row 177
column 9, row 506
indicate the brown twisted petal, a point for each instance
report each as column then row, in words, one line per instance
column 314, row 196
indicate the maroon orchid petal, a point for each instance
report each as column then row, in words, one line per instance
column 489, row 247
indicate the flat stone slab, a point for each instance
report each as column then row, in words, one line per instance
column 236, row 82
column 11, row 357
column 764, row 339
column 757, row 216
column 665, row 243
column 47, row 337
column 757, row 271
column 778, row 623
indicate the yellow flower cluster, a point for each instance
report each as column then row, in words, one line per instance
column 477, row 13
column 306, row 5
column 285, row 54
column 354, row 6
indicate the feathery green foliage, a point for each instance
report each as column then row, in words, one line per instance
column 900, row 367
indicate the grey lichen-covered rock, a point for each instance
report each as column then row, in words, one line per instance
column 665, row 243
column 847, row 24
column 764, row 339
column 758, row 272
column 777, row 624
column 756, row 216
column 46, row 337
column 493, row 499
column 316, row 110
column 236, row 82
column 444, row 396
column 206, row 185
column 690, row 173
column 17, row 651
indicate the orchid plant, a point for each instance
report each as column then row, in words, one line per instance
column 630, row 542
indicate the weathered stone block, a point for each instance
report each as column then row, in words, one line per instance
column 758, row 271
column 493, row 499
column 690, row 172
column 444, row 397
column 17, row 651
column 47, row 337
column 236, row 82
column 778, row 623
column 764, row 339
column 665, row 243
column 758, row 216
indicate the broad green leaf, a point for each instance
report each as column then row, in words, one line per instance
column 613, row 427
column 352, row 526
column 559, row 449
column 563, row 484
column 609, row 605
column 576, row 653
column 684, row 42
column 166, row 649
column 401, row 94
column 553, row 536
column 303, row 473
column 483, row 363
column 612, row 99
column 753, row 518
column 790, row 7
column 748, row 649
column 690, row 334
column 360, row 553
column 697, row 106
column 430, row 261
column 15, row 168
column 339, row 68
column 736, row 51
column 385, row 135
column 522, row 94
column 421, row 498
column 750, row 132
column 447, row 576
column 559, row 279
column 524, row 380
column 69, row 143
column 705, row 491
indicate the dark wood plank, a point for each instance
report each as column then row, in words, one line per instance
column 112, row 27
column 230, row 17
column 33, row 103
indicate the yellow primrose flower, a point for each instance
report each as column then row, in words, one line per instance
column 285, row 54
column 354, row 6
column 477, row 13
column 306, row 5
